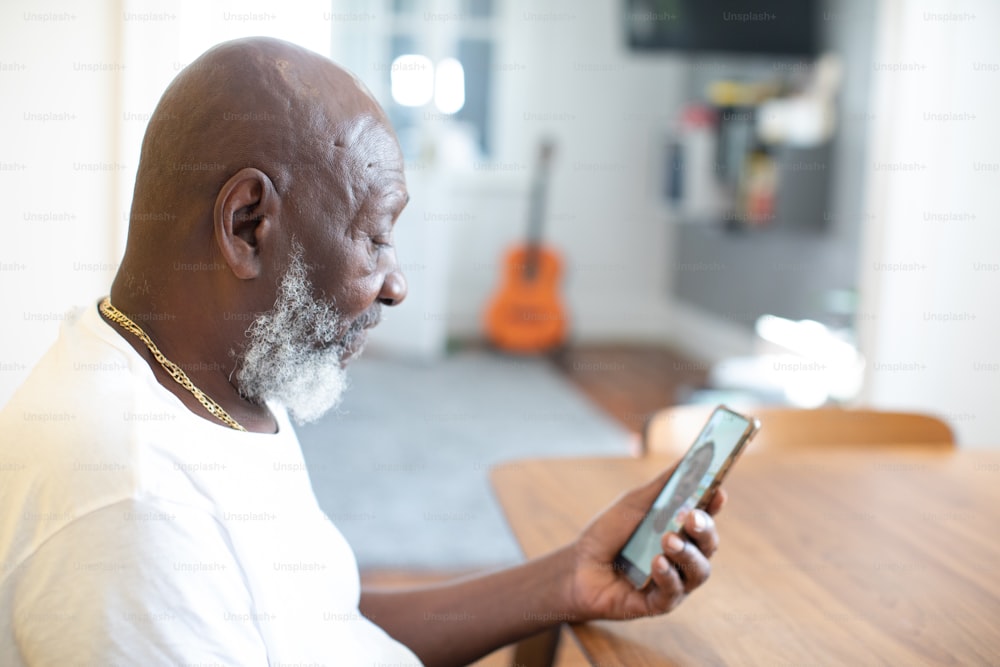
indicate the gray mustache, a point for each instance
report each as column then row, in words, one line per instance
column 369, row 318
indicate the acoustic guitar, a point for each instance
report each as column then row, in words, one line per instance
column 526, row 315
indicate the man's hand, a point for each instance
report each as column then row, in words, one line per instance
column 574, row 583
column 597, row 590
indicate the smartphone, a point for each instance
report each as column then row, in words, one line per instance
column 690, row 487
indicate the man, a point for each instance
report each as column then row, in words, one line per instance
column 141, row 517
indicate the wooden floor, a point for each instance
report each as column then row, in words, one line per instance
column 629, row 383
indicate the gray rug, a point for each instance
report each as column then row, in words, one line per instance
column 402, row 468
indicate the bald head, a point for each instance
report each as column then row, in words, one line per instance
column 254, row 102
column 256, row 139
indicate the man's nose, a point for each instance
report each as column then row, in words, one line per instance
column 393, row 288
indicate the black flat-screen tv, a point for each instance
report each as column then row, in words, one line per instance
column 770, row 27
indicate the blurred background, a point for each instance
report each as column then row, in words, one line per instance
column 776, row 201
column 770, row 202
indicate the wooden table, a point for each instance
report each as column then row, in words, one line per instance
column 828, row 557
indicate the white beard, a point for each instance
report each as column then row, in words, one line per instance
column 294, row 356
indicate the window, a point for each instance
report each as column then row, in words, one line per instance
column 455, row 40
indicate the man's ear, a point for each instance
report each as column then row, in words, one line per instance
column 246, row 211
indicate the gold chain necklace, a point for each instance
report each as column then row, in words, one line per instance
column 175, row 371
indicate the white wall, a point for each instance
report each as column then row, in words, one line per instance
column 60, row 67
column 931, row 267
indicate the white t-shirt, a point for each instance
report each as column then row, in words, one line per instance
column 133, row 532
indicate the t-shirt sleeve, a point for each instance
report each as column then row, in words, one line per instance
column 143, row 583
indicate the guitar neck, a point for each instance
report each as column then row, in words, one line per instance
column 536, row 209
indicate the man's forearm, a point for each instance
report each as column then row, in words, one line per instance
column 454, row 623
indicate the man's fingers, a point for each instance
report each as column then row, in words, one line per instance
column 718, row 501
column 700, row 527
column 668, row 587
column 691, row 564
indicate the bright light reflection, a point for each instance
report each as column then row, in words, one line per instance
column 412, row 80
column 449, row 86
column 818, row 365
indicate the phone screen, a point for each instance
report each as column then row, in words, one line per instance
column 696, row 474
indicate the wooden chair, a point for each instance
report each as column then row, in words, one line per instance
column 672, row 430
